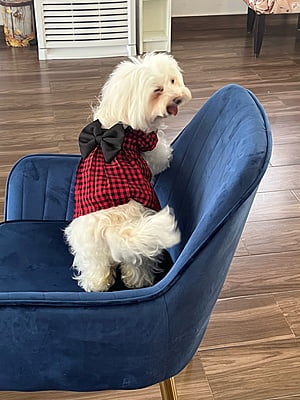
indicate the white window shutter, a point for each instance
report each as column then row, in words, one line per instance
column 85, row 28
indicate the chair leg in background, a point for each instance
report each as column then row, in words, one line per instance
column 250, row 19
column 168, row 389
column 259, row 29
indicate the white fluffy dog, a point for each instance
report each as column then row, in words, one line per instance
column 139, row 94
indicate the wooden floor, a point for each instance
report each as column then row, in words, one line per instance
column 252, row 348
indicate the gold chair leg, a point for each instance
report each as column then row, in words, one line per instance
column 168, row 389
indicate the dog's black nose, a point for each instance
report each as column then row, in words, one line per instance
column 178, row 100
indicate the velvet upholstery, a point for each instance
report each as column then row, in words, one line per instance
column 41, row 187
column 55, row 336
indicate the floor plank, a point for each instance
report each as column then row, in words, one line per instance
column 275, row 205
column 254, row 372
column 285, row 154
column 245, row 320
column 241, row 249
column 290, row 306
column 281, row 178
column 297, row 193
column 292, row 397
column 265, row 273
column 274, row 236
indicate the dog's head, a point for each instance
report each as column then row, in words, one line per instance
column 142, row 92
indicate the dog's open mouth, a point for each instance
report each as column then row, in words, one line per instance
column 172, row 109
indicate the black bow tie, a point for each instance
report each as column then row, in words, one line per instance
column 110, row 140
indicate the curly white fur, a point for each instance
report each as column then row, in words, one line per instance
column 141, row 93
column 125, row 235
column 138, row 92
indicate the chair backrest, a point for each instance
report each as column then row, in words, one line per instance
column 219, row 159
column 40, row 187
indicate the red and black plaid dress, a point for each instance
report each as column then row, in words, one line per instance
column 101, row 185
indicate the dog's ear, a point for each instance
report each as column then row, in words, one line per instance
column 125, row 96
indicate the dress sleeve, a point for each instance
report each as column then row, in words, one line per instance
column 147, row 142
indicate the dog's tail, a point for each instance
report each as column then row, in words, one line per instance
column 143, row 237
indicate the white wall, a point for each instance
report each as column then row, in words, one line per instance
column 183, row 8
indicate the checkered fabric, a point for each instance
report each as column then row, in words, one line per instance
column 100, row 185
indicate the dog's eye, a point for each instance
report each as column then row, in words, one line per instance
column 159, row 90
column 172, row 81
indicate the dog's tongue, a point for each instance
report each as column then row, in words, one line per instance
column 172, row 109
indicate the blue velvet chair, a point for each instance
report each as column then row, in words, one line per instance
column 54, row 336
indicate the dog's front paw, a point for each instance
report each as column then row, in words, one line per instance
column 161, row 156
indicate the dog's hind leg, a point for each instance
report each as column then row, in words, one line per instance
column 94, row 267
column 140, row 274
column 94, row 276
column 138, row 241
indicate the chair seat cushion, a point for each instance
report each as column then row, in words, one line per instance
column 35, row 258
column 274, row 7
